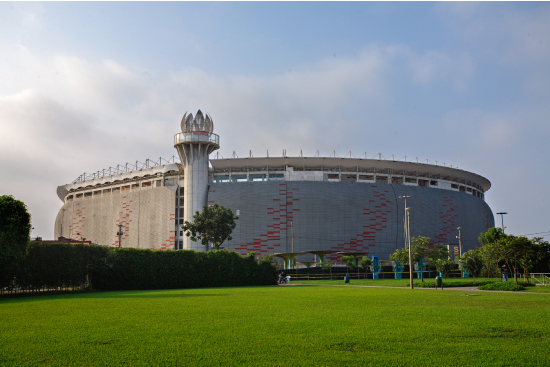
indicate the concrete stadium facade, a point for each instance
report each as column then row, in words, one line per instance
column 285, row 204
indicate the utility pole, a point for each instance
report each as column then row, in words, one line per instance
column 119, row 233
column 459, row 243
column 502, row 219
column 410, row 250
column 408, row 237
column 292, row 229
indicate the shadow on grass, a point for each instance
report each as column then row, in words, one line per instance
column 81, row 294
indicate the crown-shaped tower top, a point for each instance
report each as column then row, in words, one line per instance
column 199, row 123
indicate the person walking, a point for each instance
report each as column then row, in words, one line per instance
column 504, row 273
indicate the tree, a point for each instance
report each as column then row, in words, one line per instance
column 472, row 262
column 364, row 264
column 420, row 251
column 214, row 225
column 444, row 266
column 513, row 249
column 400, row 256
column 327, row 265
column 15, row 230
column 491, row 249
column 349, row 261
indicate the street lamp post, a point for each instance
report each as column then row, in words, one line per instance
column 408, row 210
column 406, row 230
column 460, row 249
column 408, row 237
column 119, row 233
column 502, row 219
column 459, row 243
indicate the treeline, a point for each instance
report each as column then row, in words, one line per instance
column 520, row 254
column 58, row 266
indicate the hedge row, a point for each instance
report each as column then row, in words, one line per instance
column 52, row 266
column 60, row 265
column 147, row 269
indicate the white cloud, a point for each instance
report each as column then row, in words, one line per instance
column 512, row 34
column 62, row 115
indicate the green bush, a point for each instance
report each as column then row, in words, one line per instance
column 147, row 269
column 448, row 284
column 502, row 286
column 53, row 265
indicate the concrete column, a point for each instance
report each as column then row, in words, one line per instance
column 195, row 161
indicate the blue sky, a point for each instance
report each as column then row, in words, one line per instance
column 84, row 86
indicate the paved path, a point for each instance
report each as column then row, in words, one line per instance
column 465, row 289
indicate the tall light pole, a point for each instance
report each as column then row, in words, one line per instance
column 502, row 218
column 119, row 233
column 292, row 229
column 459, row 243
column 408, row 210
column 406, row 230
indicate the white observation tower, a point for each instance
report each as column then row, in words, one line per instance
column 194, row 144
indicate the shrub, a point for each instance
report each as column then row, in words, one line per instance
column 502, row 286
column 130, row 268
column 447, row 284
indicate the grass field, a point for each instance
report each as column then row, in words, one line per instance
column 277, row 326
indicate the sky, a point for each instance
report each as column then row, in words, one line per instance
column 85, row 86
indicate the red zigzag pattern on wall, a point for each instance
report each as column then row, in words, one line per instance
column 375, row 222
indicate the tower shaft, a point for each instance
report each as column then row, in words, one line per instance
column 193, row 150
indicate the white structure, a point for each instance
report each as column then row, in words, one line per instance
column 194, row 145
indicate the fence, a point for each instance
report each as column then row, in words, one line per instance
column 541, row 278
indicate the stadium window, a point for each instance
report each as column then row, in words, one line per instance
column 276, row 176
column 146, row 184
column 433, row 183
column 220, row 178
column 124, row 188
column 98, row 192
column 238, row 178
column 454, row 186
column 78, row 196
column 116, row 190
column 256, row 177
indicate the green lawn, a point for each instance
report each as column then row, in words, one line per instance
column 277, row 326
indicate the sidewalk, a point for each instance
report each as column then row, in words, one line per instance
column 465, row 289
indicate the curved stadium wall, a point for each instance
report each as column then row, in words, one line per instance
column 287, row 204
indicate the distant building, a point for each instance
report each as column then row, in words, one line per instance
column 285, row 204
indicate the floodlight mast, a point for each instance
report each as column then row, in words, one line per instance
column 502, row 219
column 194, row 144
column 408, row 237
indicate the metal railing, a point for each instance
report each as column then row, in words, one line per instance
column 122, row 168
column 196, row 137
column 541, row 278
column 365, row 155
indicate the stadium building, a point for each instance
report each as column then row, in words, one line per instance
column 285, row 204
